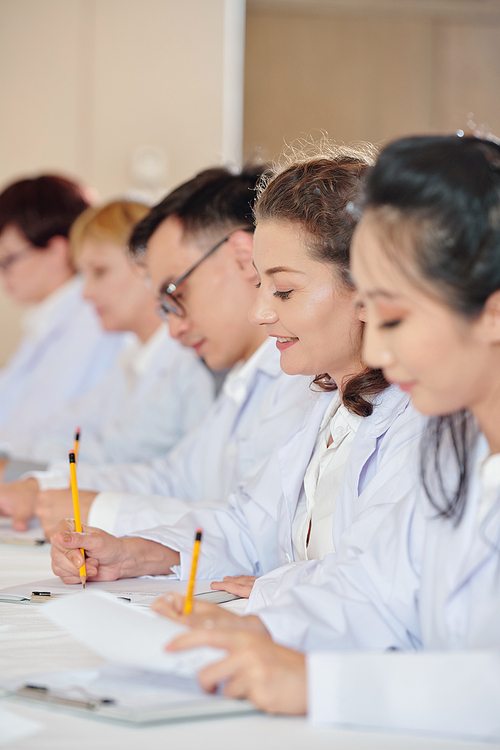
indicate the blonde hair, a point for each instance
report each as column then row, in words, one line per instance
column 112, row 222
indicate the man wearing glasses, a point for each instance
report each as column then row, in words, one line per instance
column 196, row 246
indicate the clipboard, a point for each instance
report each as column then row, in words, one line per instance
column 139, row 591
column 124, row 695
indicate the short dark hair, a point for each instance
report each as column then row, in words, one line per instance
column 214, row 198
column 444, row 193
column 42, row 207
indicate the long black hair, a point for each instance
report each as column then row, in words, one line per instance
column 446, row 189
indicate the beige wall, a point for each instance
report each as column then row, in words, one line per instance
column 368, row 69
column 85, row 83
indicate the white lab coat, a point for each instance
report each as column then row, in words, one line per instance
column 156, row 393
column 258, row 407
column 423, row 583
column 254, row 534
column 63, row 353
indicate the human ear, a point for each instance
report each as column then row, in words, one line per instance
column 58, row 247
column 240, row 246
column 490, row 318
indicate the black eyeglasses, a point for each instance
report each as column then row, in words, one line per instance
column 168, row 304
column 8, row 260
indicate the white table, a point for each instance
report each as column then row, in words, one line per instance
column 31, row 644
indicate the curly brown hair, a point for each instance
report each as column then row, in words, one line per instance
column 317, row 186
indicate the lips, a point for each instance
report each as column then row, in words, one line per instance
column 197, row 347
column 405, row 386
column 285, row 342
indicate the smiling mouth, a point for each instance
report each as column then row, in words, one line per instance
column 283, row 342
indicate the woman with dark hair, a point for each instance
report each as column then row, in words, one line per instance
column 426, row 262
column 64, row 351
column 349, row 457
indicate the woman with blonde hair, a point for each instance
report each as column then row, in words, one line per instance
column 158, row 390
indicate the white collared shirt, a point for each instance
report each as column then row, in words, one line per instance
column 63, row 354
column 230, row 445
column 156, row 393
column 313, row 521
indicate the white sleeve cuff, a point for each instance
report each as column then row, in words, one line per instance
column 50, row 480
column 103, row 513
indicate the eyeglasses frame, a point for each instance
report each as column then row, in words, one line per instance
column 170, row 288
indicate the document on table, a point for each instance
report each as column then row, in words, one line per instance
column 141, row 682
column 125, row 694
column 140, row 591
column 33, row 537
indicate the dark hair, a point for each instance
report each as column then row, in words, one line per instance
column 317, row 192
column 42, row 207
column 215, row 198
column 444, row 190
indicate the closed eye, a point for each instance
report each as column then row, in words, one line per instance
column 390, row 323
column 283, row 295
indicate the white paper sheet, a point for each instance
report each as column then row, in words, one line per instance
column 29, row 537
column 14, row 727
column 126, row 635
column 138, row 590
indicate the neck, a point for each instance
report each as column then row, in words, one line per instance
column 487, row 413
column 55, row 283
column 145, row 324
column 348, row 371
column 257, row 337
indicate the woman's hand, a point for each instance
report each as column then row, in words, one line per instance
column 272, row 677
column 104, row 553
column 205, row 614
column 238, row 585
column 107, row 557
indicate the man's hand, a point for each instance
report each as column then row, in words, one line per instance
column 52, row 506
column 107, row 557
column 17, row 499
column 271, row 676
column 238, row 585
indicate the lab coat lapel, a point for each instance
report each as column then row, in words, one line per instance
column 293, row 459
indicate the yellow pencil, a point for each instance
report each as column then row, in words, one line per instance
column 77, row 443
column 76, row 510
column 188, row 604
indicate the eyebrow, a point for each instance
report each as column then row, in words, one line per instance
column 381, row 293
column 282, row 269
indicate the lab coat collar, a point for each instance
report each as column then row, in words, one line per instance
column 138, row 356
column 480, row 536
column 240, row 379
column 39, row 319
column 298, row 451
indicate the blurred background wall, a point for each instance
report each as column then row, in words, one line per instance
column 137, row 95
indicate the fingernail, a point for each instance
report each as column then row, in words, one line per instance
column 77, row 560
column 66, row 536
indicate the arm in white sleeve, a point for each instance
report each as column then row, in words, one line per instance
column 358, row 599
column 439, row 693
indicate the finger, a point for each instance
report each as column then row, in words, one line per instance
column 209, row 636
column 171, row 605
column 233, row 587
column 226, row 669
column 19, row 524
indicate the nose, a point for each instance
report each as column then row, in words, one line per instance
column 261, row 313
column 376, row 353
column 87, row 290
column 178, row 327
